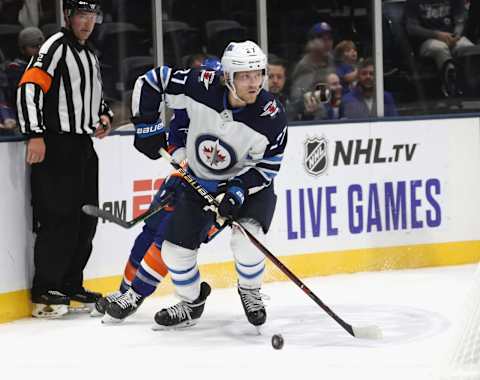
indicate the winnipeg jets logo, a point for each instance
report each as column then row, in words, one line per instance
column 270, row 109
column 214, row 154
column 206, row 77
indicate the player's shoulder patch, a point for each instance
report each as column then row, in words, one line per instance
column 266, row 116
column 270, row 109
column 206, row 78
column 270, row 106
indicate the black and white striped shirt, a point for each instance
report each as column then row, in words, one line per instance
column 61, row 89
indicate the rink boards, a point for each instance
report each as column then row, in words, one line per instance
column 351, row 197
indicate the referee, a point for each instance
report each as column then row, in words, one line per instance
column 60, row 105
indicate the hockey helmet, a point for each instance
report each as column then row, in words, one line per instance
column 212, row 63
column 83, row 5
column 242, row 56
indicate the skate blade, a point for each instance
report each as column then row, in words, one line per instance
column 180, row 326
column 95, row 313
column 109, row 320
column 81, row 308
column 259, row 330
column 49, row 311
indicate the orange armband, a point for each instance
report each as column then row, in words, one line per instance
column 37, row 76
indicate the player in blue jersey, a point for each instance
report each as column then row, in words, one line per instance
column 234, row 147
column 145, row 268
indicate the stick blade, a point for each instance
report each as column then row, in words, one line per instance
column 99, row 213
column 90, row 210
column 368, row 332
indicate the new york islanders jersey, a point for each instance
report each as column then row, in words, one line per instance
column 221, row 142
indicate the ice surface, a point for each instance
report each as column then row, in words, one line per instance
column 415, row 309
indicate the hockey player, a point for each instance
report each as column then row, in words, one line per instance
column 145, row 268
column 234, row 148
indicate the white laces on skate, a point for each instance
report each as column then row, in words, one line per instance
column 114, row 296
column 179, row 311
column 129, row 298
column 253, row 299
column 55, row 293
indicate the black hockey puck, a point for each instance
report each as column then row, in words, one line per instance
column 277, row 341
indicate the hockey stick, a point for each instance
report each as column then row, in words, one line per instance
column 366, row 332
column 99, row 213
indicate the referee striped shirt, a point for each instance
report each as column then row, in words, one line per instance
column 61, row 89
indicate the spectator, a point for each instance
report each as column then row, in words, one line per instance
column 359, row 103
column 437, row 26
column 313, row 68
column 336, row 91
column 29, row 41
column 323, row 30
column 346, row 64
column 277, row 77
column 7, row 115
column 318, row 106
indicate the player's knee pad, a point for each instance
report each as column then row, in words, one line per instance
column 243, row 250
column 177, row 257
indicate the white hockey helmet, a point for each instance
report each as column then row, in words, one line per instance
column 242, row 56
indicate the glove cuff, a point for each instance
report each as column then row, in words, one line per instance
column 237, row 189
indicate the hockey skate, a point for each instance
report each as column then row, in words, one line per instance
column 86, row 300
column 124, row 306
column 102, row 303
column 183, row 314
column 50, row 304
column 252, row 302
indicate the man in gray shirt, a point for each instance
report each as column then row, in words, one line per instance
column 313, row 68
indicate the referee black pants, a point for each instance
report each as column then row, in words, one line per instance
column 65, row 181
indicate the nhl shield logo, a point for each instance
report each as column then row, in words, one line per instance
column 316, row 155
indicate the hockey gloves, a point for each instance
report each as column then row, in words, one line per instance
column 232, row 200
column 150, row 135
column 170, row 187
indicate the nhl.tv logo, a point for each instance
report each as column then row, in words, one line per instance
column 316, row 155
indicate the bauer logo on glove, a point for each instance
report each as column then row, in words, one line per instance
column 149, row 136
column 147, row 130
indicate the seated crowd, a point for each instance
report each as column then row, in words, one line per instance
column 338, row 63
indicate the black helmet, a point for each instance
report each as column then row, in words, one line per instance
column 82, row 5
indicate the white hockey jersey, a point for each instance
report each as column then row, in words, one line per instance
column 221, row 142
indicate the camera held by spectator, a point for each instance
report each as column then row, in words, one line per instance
column 313, row 99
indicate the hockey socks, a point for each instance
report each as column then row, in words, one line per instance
column 150, row 273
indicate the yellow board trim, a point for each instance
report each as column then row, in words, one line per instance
column 16, row 305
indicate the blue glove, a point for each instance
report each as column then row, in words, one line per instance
column 172, row 185
column 150, row 136
column 233, row 200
